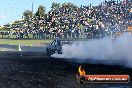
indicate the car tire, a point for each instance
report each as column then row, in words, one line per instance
column 59, row 52
column 48, row 52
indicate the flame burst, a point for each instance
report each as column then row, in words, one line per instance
column 81, row 71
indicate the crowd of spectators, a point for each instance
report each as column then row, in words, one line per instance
column 110, row 18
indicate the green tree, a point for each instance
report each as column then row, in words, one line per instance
column 41, row 11
column 64, row 4
column 27, row 14
column 68, row 5
column 71, row 5
column 55, row 5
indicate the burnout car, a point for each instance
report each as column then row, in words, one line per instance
column 56, row 46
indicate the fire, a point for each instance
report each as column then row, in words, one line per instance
column 81, row 71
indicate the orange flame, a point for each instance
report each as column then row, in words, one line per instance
column 81, row 71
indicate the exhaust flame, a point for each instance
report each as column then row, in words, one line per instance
column 81, row 71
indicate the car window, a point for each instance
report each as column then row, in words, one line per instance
column 53, row 43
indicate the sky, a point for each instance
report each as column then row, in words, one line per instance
column 12, row 10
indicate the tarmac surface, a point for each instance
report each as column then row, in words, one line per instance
column 46, row 72
column 32, row 68
column 23, row 48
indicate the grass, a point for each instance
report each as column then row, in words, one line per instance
column 14, row 36
column 24, row 42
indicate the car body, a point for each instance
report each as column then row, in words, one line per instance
column 56, row 46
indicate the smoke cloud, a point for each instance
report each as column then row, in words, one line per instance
column 103, row 51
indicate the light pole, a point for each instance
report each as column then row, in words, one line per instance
column 32, row 7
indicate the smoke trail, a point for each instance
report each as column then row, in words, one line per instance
column 105, row 51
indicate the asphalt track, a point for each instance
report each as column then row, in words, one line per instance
column 46, row 72
column 29, row 69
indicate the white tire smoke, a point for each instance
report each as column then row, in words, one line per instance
column 104, row 51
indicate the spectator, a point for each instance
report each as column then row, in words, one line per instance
column 70, row 21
